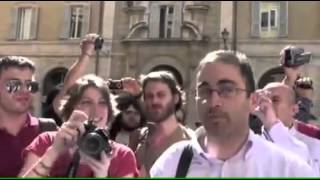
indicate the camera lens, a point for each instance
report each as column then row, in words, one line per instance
column 93, row 144
column 94, row 141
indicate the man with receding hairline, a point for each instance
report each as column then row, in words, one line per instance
column 278, row 107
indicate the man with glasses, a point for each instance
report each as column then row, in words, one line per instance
column 227, row 147
column 17, row 127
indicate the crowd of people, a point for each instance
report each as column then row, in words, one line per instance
column 137, row 131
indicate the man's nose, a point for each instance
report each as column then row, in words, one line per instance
column 23, row 88
column 154, row 100
column 215, row 99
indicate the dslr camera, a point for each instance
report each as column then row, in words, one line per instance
column 94, row 141
column 98, row 43
column 294, row 56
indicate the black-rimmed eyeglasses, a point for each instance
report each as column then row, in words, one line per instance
column 225, row 91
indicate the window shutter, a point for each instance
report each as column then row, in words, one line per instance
column 177, row 20
column 154, row 21
column 14, row 23
column 283, row 26
column 86, row 20
column 255, row 18
column 34, row 23
column 65, row 25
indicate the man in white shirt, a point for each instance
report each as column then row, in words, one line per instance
column 279, row 105
column 224, row 98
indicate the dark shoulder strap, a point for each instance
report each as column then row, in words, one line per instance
column 47, row 124
column 184, row 161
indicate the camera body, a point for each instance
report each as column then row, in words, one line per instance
column 294, row 57
column 304, row 83
column 94, row 141
column 98, row 43
column 115, row 84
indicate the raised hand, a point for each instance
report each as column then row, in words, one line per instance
column 264, row 109
column 131, row 85
column 69, row 132
column 100, row 167
column 87, row 44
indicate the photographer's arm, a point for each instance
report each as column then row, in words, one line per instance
column 36, row 166
column 42, row 153
column 132, row 86
column 291, row 75
column 77, row 69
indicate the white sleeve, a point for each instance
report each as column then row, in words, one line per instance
column 281, row 136
column 166, row 164
column 299, row 168
column 314, row 149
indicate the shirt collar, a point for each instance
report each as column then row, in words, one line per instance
column 31, row 120
column 243, row 153
column 293, row 129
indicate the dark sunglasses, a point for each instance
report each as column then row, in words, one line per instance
column 13, row 86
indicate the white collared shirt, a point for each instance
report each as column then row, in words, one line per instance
column 260, row 159
column 313, row 145
column 305, row 147
column 281, row 136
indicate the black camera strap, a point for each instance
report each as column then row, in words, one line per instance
column 74, row 165
column 184, row 161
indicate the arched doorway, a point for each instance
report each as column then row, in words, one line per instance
column 166, row 63
column 53, row 78
column 51, row 83
column 273, row 75
column 170, row 69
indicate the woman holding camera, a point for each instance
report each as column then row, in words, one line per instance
column 56, row 153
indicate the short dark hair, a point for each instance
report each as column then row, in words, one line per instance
column 234, row 58
column 76, row 91
column 124, row 100
column 16, row 61
column 166, row 78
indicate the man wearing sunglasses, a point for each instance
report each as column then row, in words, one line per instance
column 17, row 127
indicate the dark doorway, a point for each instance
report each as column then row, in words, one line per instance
column 170, row 69
column 51, row 85
column 273, row 75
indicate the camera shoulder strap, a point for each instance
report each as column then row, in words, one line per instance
column 47, row 124
column 184, row 161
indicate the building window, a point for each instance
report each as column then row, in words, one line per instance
column 166, row 21
column 264, row 19
column 269, row 19
column 273, row 18
column 76, row 21
column 24, row 23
